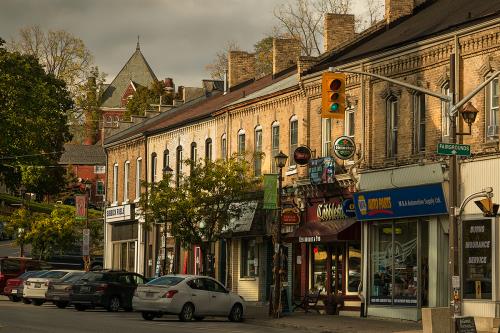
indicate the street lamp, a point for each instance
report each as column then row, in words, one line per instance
column 280, row 161
column 20, row 231
column 167, row 172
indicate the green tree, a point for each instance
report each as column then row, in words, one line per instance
column 33, row 117
column 145, row 98
column 199, row 210
column 264, row 57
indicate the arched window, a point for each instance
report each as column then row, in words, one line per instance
column 166, row 158
column 115, row 183
column 116, row 122
column 258, row 150
column 445, row 122
column 492, row 106
column 154, row 167
column 392, row 112
column 419, row 123
column 178, row 165
column 138, row 174
column 294, row 138
column 275, row 144
column 126, row 171
column 109, row 121
column 223, row 146
column 349, row 122
column 241, row 143
column 326, row 136
column 208, row 149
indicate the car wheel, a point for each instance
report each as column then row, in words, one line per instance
column 114, row 304
column 26, row 301
column 187, row 312
column 80, row 307
column 61, row 304
column 15, row 298
column 198, row 318
column 148, row 315
column 38, row 302
column 236, row 313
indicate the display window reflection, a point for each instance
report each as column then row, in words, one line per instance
column 319, row 254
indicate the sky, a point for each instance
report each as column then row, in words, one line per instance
column 177, row 37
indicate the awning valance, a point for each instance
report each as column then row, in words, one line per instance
column 345, row 229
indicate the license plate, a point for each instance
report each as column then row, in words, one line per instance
column 149, row 294
column 84, row 289
column 13, row 291
column 38, row 285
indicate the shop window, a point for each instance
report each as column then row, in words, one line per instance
column 354, row 267
column 124, row 256
column 477, row 259
column 394, row 263
column 248, row 258
column 319, row 255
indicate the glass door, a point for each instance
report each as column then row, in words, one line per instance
column 337, row 253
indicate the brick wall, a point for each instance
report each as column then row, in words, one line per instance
column 285, row 53
column 395, row 9
column 241, row 67
column 338, row 29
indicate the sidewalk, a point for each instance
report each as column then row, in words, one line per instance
column 319, row 323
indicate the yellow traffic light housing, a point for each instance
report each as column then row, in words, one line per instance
column 333, row 101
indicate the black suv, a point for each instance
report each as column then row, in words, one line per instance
column 109, row 289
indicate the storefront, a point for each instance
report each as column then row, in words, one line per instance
column 122, row 235
column 327, row 251
column 405, row 233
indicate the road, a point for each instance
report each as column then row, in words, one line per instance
column 20, row 318
column 8, row 248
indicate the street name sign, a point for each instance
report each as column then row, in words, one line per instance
column 453, row 149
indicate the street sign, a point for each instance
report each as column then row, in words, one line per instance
column 81, row 207
column 453, row 149
column 86, row 242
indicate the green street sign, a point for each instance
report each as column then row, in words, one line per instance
column 453, row 149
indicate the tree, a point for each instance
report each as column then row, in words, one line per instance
column 302, row 19
column 33, row 117
column 60, row 53
column 263, row 57
column 219, row 64
column 144, row 98
column 201, row 207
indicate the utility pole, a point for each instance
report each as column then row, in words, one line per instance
column 453, row 108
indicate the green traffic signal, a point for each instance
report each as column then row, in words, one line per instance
column 334, row 107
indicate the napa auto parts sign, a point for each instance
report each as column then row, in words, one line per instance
column 400, row 202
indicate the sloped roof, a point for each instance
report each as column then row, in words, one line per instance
column 136, row 69
column 75, row 154
column 432, row 18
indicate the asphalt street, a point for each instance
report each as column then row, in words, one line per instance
column 8, row 248
column 19, row 317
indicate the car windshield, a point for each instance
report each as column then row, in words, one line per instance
column 27, row 274
column 73, row 277
column 53, row 274
column 165, row 281
column 37, row 273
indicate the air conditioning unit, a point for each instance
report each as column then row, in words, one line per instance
column 492, row 130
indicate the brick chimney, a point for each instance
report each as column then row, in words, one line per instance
column 286, row 52
column 339, row 28
column 395, row 9
column 241, row 67
column 305, row 63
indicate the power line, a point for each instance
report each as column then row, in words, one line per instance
column 29, row 155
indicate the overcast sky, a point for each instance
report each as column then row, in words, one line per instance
column 177, row 37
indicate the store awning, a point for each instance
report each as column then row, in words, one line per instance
column 345, row 229
column 244, row 222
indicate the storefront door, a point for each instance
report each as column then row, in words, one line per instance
column 328, row 267
column 337, row 255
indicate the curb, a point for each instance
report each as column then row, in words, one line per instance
column 277, row 324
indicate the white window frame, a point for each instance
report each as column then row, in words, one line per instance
column 223, row 146
column 115, row 184
column 241, row 143
column 292, row 146
column 126, row 172
column 275, row 149
column 258, row 151
column 419, row 110
column 492, row 112
column 349, row 128
column 326, row 137
column 445, row 118
column 138, row 167
column 154, row 167
column 99, row 169
column 392, row 123
column 208, row 149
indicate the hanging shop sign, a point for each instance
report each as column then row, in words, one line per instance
column 310, row 239
column 421, row 200
column 349, row 208
column 344, row 147
column 120, row 213
column 321, row 170
column 302, row 155
column 290, row 216
column 330, row 211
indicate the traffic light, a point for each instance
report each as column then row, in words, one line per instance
column 333, row 103
column 488, row 208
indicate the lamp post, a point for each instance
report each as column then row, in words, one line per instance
column 167, row 172
column 280, row 161
column 20, row 231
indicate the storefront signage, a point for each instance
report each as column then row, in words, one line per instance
column 453, row 149
column 344, row 147
column 120, row 213
column 321, row 170
column 330, row 211
column 302, row 155
column 421, row 200
column 465, row 325
column 309, row 239
column 477, row 261
column 349, row 208
column 290, row 216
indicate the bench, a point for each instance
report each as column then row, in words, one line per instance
column 309, row 301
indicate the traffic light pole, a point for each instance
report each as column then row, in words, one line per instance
column 453, row 270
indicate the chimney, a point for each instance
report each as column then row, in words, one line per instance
column 305, row 63
column 241, row 67
column 395, row 9
column 285, row 53
column 169, row 84
column 339, row 28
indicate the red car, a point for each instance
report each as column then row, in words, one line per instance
column 15, row 286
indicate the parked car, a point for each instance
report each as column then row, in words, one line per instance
column 189, row 297
column 73, row 260
column 59, row 292
column 109, row 289
column 12, row 267
column 14, row 287
column 36, row 287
